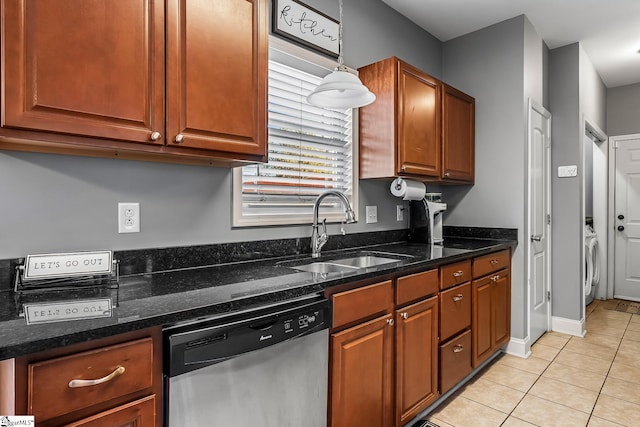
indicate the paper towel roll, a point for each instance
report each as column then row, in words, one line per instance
column 408, row 189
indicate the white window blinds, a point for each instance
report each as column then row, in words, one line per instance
column 310, row 152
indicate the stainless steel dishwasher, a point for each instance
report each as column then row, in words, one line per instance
column 266, row 367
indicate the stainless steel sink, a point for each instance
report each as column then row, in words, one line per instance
column 365, row 261
column 324, row 267
column 347, row 264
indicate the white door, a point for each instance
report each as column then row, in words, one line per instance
column 539, row 220
column 627, row 220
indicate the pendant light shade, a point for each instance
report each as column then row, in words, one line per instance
column 341, row 89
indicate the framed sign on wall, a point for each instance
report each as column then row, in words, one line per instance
column 305, row 25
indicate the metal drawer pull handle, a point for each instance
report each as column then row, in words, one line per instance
column 458, row 348
column 390, row 322
column 458, row 273
column 536, row 238
column 88, row 383
column 457, row 298
column 405, row 315
column 493, row 261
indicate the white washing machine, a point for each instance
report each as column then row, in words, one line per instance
column 592, row 263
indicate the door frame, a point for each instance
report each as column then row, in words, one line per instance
column 613, row 145
column 532, row 105
column 599, row 138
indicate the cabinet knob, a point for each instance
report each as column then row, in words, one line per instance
column 404, row 168
column 390, row 322
column 446, row 174
column 458, row 348
column 155, row 136
column 458, row 273
column 494, row 261
column 88, row 383
column 179, row 138
column 621, row 228
column 404, row 315
column 458, row 298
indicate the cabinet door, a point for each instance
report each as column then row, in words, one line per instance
column 416, row 358
column 217, row 75
column 140, row 413
column 481, row 325
column 502, row 308
column 362, row 375
column 418, row 122
column 458, row 135
column 84, row 67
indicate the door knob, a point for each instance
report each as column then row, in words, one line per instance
column 620, row 228
column 620, row 217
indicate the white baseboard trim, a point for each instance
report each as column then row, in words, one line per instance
column 568, row 326
column 519, row 347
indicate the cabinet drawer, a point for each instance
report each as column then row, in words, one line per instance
column 140, row 413
column 489, row 263
column 363, row 302
column 416, row 286
column 455, row 310
column 454, row 274
column 56, row 386
column 455, row 361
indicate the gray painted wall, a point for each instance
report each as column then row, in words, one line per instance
column 490, row 65
column 576, row 93
column 623, row 110
column 65, row 203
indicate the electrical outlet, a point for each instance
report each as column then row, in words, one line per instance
column 372, row 214
column 399, row 213
column 128, row 217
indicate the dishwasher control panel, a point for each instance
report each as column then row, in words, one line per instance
column 196, row 345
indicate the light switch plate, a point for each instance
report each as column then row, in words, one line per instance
column 372, row 214
column 567, row 171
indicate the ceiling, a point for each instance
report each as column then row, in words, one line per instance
column 609, row 30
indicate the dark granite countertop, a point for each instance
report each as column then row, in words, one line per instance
column 167, row 297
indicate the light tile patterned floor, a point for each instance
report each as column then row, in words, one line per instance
column 567, row 381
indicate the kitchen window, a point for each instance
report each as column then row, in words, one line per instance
column 311, row 149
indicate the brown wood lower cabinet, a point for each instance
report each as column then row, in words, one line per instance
column 491, row 314
column 455, row 361
column 115, row 381
column 362, row 375
column 416, row 358
column 140, row 413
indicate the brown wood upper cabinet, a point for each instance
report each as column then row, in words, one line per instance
column 458, row 135
column 95, row 75
column 418, row 127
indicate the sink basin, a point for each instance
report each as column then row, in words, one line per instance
column 364, row 261
column 345, row 265
column 324, row 267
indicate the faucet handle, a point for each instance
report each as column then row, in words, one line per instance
column 324, row 226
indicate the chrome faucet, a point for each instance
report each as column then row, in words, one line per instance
column 318, row 240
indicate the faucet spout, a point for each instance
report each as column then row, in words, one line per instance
column 318, row 240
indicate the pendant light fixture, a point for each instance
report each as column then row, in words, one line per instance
column 341, row 89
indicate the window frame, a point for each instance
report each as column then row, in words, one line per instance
column 238, row 220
